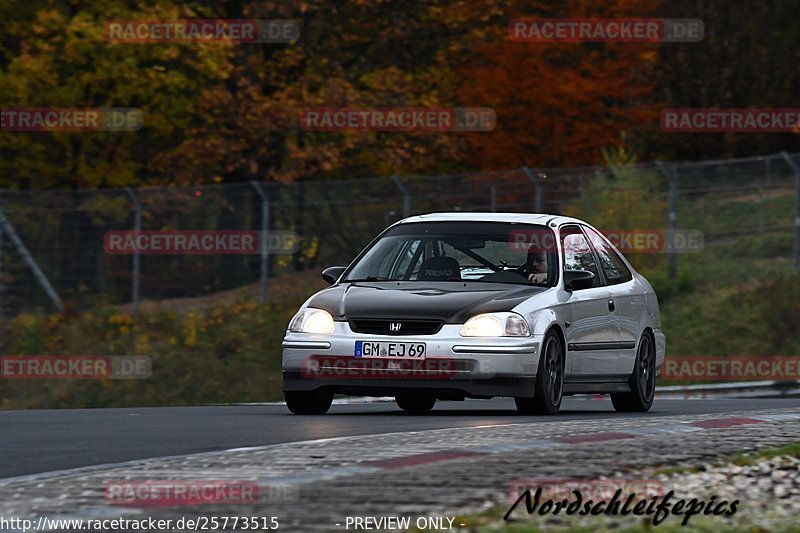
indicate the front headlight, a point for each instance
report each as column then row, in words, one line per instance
column 310, row 320
column 495, row 325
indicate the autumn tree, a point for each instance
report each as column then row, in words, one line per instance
column 56, row 55
column 748, row 58
column 559, row 104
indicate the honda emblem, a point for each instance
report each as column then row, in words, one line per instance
column 395, row 326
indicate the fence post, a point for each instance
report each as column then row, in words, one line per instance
column 796, row 169
column 137, row 259
column 6, row 226
column 537, row 205
column 1, row 273
column 672, row 258
column 386, row 215
column 264, row 252
column 761, row 185
column 406, row 196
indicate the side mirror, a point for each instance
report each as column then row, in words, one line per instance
column 331, row 274
column 577, row 279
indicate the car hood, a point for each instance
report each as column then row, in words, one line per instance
column 452, row 302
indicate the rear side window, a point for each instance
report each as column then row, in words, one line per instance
column 612, row 264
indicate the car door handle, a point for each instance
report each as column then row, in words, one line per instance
column 611, row 306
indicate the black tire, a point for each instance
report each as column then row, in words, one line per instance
column 415, row 403
column 549, row 380
column 642, row 381
column 308, row 402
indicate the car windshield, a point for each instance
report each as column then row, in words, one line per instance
column 495, row 252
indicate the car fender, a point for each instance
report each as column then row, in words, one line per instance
column 540, row 319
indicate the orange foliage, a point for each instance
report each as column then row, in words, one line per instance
column 559, row 104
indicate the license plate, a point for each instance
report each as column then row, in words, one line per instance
column 390, row 350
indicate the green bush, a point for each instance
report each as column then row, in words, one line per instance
column 229, row 353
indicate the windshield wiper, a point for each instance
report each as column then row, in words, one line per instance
column 369, row 278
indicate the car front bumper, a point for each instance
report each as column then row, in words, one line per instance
column 454, row 366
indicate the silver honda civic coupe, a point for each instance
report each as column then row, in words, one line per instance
column 450, row 306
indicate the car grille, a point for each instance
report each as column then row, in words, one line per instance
column 384, row 326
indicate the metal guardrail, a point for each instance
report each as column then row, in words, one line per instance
column 743, row 389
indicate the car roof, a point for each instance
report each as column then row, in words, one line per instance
column 462, row 216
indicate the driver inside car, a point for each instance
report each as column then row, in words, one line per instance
column 536, row 265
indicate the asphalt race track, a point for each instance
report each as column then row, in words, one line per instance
column 49, row 440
